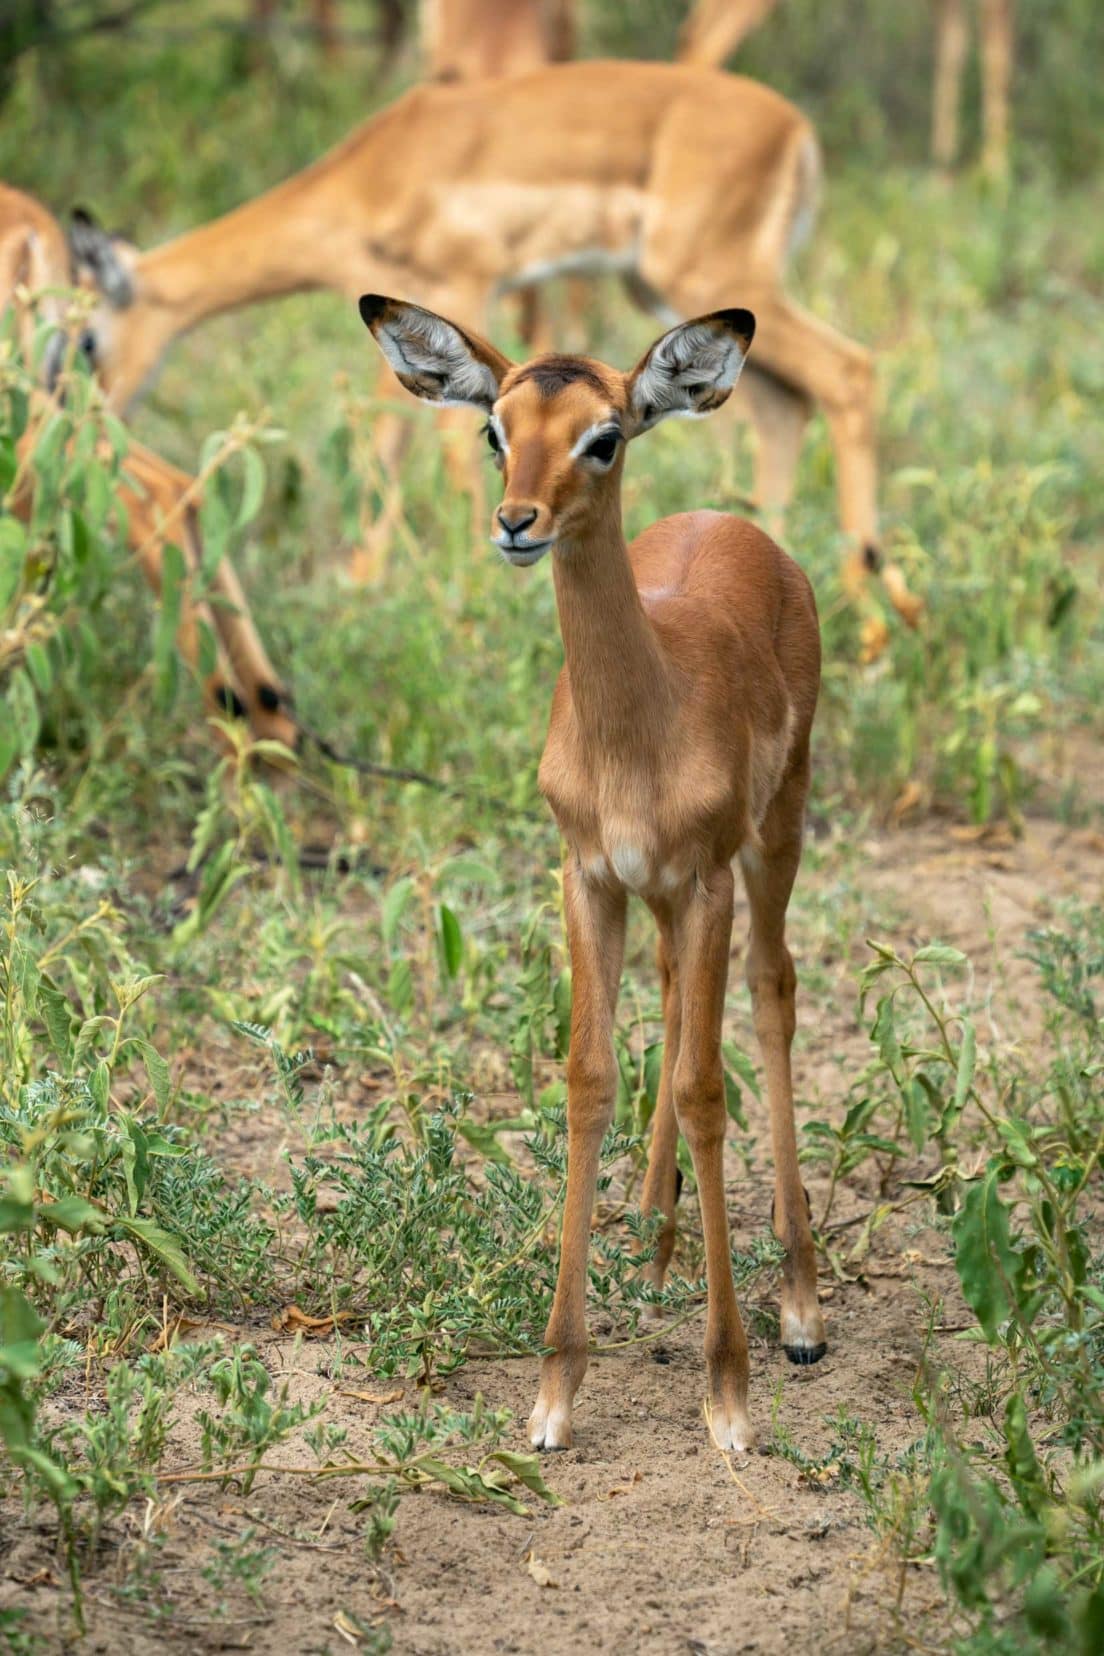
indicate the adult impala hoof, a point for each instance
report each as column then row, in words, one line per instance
column 806, row 1355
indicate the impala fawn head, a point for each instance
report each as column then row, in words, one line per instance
column 558, row 425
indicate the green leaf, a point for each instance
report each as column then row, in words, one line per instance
column 21, row 712
column 165, row 660
column 734, row 1101
column 20, row 1327
column 400, row 987
column 1023, row 1466
column 917, row 1112
column 989, row 1269
column 157, row 1070
column 527, row 1470
column 561, row 1010
column 253, row 483
column 99, row 1084
column 394, row 907
column 483, row 1136
column 164, row 1245
column 884, row 1035
column 738, row 1060
column 57, row 1015
column 135, row 1162
column 39, row 667
column 452, row 945
column 964, row 1077
column 939, row 954
column 73, row 1214
column 13, row 553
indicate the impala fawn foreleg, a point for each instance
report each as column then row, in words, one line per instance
column 595, row 921
column 704, row 934
column 768, row 876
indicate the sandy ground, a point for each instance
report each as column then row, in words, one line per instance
column 662, row 1545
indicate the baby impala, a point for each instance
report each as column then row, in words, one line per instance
column 678, row 741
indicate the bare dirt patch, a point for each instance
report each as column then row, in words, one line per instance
column 661, row 1545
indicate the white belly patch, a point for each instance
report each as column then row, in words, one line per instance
column 631, row 866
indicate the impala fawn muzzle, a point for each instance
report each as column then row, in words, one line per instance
column 678, row 741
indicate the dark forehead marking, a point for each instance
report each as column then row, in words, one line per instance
column 550, row 374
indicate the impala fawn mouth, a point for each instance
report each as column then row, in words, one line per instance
column 523, row 553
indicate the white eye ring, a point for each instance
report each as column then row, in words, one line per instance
column 598, row 437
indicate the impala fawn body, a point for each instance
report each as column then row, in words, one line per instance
column 674, row 178
column 678, row 741
column 161, row 502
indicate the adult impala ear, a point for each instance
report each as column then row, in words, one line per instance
column 94, row 249
column 435, row 359
column 690, row 370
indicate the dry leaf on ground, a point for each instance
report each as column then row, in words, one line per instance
column 372, row 1397
column 539, row 1571
column 293, row 1321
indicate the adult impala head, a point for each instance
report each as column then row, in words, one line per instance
column 558, row 425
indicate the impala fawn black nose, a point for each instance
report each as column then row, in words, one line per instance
column 516, row 518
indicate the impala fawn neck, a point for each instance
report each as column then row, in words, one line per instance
column 620, row 683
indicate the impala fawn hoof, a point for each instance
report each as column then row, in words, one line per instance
column 731, row 1429
column 550, row 1426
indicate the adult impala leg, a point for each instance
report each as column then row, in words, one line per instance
column 779, row 416
column 391, row 434
column 704, row 935
column 950, row 60
column 996, row 82
column 769, row 876
column 839, row 375
column 262, row 689
column 661, row 1180
column 595, row 918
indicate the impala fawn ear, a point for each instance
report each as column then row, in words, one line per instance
column 690, row 370
column 435, row 359
column 103, row 255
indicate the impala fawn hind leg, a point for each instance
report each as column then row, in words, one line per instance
column 769, row 876
column 595, row 921
column 661, row 1180
column 704, row 935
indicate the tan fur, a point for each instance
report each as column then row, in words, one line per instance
column 678, row 740
column 467, row 40
column 160, row 501
column 681, row 180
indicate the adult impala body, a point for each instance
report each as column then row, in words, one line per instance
column 678, row 741
column 679, row 179
column 160, row 501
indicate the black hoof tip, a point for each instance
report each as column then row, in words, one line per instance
column 872, row 558
column 229, row 701
column 806, row 1356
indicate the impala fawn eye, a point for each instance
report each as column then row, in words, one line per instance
column 492, row 440
column 603, row 448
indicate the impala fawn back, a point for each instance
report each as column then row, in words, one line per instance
column 679, row 740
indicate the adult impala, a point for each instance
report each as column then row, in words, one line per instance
column 679, row 179
column 160, row 502
column 678, row 740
